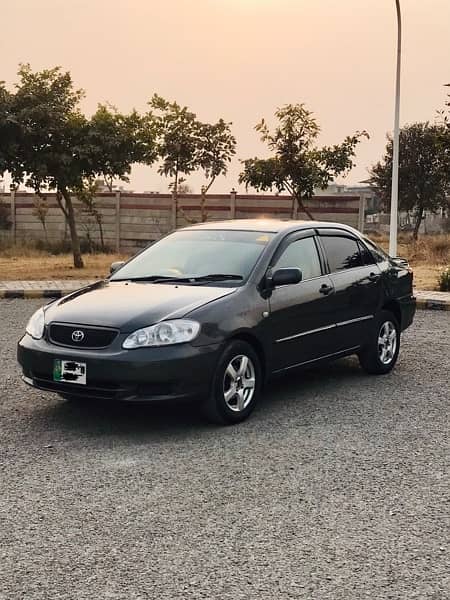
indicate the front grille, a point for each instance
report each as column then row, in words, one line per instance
column 81, row 336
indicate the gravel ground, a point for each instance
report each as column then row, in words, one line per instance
column 336, row 488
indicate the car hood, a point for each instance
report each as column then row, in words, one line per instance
column 131, row 305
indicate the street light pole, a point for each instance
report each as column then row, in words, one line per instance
column 396, row 142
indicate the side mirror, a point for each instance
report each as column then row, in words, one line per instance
column 115, row 266
column 286, row 276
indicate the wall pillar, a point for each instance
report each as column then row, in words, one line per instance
column 118, row 222
column 361, row 213
column 233, row 195
column 13, row 216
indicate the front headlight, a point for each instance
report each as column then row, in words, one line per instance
column 35, row 326
column 163, row 334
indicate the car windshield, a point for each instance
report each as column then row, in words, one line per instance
column 201, row 256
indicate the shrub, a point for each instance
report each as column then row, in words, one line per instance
column 444, row 280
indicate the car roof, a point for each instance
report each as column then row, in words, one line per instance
column 268, row 225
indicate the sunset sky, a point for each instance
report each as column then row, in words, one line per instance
column 240, row 59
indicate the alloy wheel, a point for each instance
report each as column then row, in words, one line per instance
column 239, row 383
column 387, row 342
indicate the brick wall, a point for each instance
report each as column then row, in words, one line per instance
column 130, row 221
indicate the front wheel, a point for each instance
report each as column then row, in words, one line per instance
column 236, row 385
column 381, row 352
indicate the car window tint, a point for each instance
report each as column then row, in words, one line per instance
column 366, row 254
column 342, row 252
column 303, row 255
column 378, row 254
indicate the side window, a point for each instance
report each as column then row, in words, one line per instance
column 303, row 255
column 376, row 252
column 342, row 252
column 366, row 254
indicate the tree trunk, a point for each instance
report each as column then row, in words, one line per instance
column 100, row 229
column 293, row 207
column 77, row 259
column 419, row 218
column 303, row 208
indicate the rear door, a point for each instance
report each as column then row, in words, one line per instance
column 301, row 320
column 357, row 283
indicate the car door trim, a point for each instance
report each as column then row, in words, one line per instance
column 319, row 358
column 311, row 331
column 319, row 329
column 357, row 320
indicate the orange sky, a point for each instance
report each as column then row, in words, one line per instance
column 240, row 59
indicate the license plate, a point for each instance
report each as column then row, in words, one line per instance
column 69, row 371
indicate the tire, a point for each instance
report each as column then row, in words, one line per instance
column 380, row 354
column 236, row 385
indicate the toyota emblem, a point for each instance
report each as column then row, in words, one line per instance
column 78, row 336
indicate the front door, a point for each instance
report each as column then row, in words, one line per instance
column 300, row 325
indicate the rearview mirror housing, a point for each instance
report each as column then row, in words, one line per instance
column 286, row 276
column 115, row 266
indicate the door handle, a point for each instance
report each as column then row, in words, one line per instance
column 326, row 289
column 374, row 277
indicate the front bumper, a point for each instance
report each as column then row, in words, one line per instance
column 179, row 371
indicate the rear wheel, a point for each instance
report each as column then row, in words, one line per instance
column 236, row 386
column 380, row 354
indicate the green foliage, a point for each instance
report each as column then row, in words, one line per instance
column 444, row 280
column 8, row 128
column 298, row 166
column 176, row 129
column 115, row 141
column 52, row 145
column 424, row 170
column 185, row 144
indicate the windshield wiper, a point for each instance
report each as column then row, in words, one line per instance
column 186, row 279
column 218, row 277
column 152, row 278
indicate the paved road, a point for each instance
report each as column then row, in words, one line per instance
column 337, row 488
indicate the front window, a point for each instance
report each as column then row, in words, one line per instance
column 195, row 254
column 303, row 255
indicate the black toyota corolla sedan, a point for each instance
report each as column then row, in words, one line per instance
column 213, row 310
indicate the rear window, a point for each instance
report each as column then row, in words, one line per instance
column 342, row 252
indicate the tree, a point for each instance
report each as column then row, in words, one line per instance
column 56, row 147
column 87, row 196
column 185, row 145
column 298, row 166
column 40, row 211
column 51, row 133
column 216, row 147
column 115, row 141
column 176, row 129
column 8, row 128
column 424, row 176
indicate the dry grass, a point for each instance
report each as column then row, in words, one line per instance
column 43, row 266
column 427, row 257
